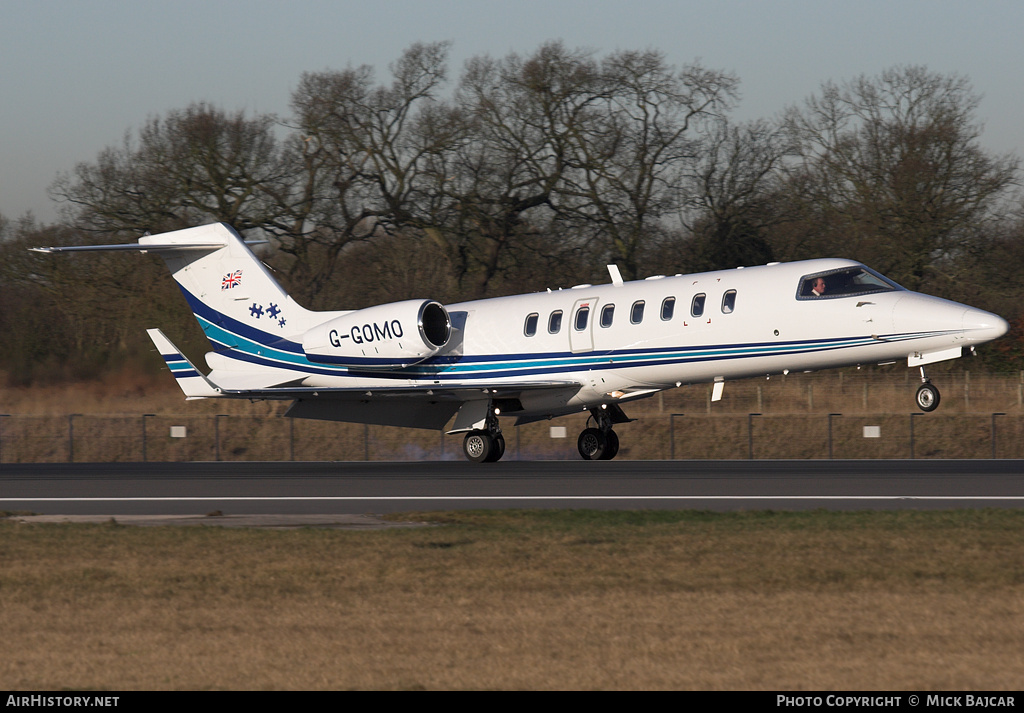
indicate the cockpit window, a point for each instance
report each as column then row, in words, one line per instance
column 844, row 282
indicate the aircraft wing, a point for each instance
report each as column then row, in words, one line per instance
column 416, row 407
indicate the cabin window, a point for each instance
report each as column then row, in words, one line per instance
column 531, row 324
column 729, row 302
column 582, row 314
column 555, row 322
column 636, row 315
column 697, row 306
column 607, row 314
column 668, row 308
column 844, row 282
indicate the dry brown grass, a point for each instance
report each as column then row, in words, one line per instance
column 509, row 600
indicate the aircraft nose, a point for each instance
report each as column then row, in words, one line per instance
column 982, row 326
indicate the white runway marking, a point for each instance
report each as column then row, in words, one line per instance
column 332, row 498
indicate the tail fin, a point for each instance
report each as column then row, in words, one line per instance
column 247, row 316
column 232, row 294
column 230, row 291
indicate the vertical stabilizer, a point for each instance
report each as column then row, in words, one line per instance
column 232, row 294
column 227, row 285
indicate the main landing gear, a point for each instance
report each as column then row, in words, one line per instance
column 486, row 445
column 927, row 396
column 483, row 446
column 599, row 443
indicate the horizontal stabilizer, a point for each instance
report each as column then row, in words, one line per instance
column 191, row 381
column 126, row 246
column 143, row 248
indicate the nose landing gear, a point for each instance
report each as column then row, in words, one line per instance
column 927, row 397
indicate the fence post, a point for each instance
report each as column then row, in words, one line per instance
column 216, row 434
column 672, row 434
column 291, row 439
column 750, row 433
column 912, row 434
column 71, row 437
column 830, row 433
column 144, row 417
column 2, row 415
column 997, row 413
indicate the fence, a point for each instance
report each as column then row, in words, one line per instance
column 755, row 435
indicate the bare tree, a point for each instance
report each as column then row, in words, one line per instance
column 643, row 134
column 587, row 152
column 366, row 149
column 519, row 114
column 731, row 198
column 194, row 165
column 893, row 167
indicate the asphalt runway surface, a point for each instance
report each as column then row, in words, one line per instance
column 286, row 493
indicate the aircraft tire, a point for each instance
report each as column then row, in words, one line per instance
column 592, row 444
column 927, row 397
column 499, row 448
column 611, row 448
column 478, row 446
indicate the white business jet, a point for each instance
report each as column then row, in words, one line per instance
column 418, row 363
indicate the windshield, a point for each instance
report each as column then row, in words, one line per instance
column 843, row 282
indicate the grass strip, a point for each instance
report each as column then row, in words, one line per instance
column 511, row 599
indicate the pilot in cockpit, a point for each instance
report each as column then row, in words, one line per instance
column 818, row 286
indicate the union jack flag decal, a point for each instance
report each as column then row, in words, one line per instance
column 232, row 279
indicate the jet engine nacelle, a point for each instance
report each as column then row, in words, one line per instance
column 390, row 336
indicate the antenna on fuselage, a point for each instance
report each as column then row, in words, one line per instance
column 613, row 270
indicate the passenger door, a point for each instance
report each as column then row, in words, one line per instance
column 583, row 315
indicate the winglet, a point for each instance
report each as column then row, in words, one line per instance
column 191, row 381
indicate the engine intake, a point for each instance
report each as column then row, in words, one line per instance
column 390, row 336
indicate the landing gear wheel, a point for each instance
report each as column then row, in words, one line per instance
column 499, row 448
column 611, row 448
column 927, row 397
column 592, row 444
column 479, row 446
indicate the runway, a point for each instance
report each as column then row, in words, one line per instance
column 286, row 488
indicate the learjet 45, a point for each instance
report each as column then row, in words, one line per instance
column 591, row 348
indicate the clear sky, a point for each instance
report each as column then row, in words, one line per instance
column 76, row 75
